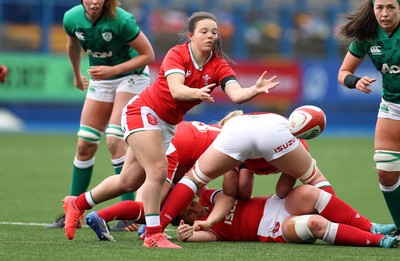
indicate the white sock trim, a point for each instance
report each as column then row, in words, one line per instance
column 330, row 233
column 83, row 164
column 189, row 183
column 323, row 200
column 89, row 198
column 391, row 188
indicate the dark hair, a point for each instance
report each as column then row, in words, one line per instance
column 362, row 24
column 175, row 222
column 191, row 25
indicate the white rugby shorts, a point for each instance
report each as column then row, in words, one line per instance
column 389, row 110
column 105, row 90
column 256, row 136
column 136, row 116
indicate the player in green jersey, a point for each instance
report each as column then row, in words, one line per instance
column 373, row 29
column 119, row 54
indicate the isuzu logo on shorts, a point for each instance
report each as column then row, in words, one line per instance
column 285, row 146
column 375, row 50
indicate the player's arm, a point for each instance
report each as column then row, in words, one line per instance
column 346, row 74
column 222, row 205
column 284, row 185
column 146, row 55
column 240, row 95
column 74, row 54
column 238, row 183
column 230, row 183
column 185, row 233
column 245, row 184
column 184, row 93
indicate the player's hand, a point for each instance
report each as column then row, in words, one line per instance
column 201, row 225
column 81, row 82
column 264, row 85
column 204, row 93
column 364, row 83
column 184, row 231
column 101, row 72
column 3, row 73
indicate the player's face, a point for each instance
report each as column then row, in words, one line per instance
column 387, row 14
column 193, row 212
column 93, row 8
column 205, row 35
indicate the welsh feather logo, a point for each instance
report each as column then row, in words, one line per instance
column 107, row 36
column 206, row 79
column 375, row 50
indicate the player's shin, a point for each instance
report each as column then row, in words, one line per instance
column 336, row 210
column 346, row 235
column 178, row 200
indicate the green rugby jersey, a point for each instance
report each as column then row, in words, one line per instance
column 384, row 51
column 106, row 41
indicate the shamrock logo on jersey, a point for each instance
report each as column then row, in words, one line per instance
column 107, row 36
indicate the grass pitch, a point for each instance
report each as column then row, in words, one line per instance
column 35, row 174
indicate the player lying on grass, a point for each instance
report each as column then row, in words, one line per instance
column 303, row 216
column 306, row 214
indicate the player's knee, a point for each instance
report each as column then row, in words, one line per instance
column 387, row 160
column 89, row 134
column 115, row 140
column 114, row 131
column 126, row 185
column 301, row 226
column 310, row 173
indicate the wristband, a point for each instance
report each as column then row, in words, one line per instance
column 351, row 80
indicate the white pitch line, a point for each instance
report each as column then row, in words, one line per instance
column 43, row 224
column 23, row 224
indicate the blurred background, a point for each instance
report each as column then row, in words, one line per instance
column 293, row 39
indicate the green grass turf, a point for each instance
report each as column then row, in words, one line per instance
column 35, row 174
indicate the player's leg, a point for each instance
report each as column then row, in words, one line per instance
column 126, row 88
column 299, row 164
column 307, row 228
column 387, row 158
column 211, row 164
column 124, row 210
column 130, row 179
column 308, row 199
column 150, row 152
column 94, row 118
column 117, row 148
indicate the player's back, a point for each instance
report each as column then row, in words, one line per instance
column 192, row 138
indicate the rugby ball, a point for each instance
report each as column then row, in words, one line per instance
column 307, row 122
